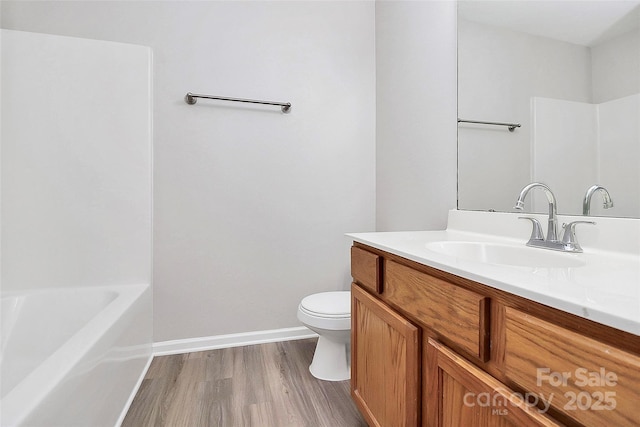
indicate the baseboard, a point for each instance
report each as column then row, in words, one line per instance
column 164, row 348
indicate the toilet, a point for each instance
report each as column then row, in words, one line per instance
column 329, row 315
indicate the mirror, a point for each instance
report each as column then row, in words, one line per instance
column 568, row 72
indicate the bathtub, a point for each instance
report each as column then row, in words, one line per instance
column 72, row 357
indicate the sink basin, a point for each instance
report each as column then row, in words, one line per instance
column 496, row 253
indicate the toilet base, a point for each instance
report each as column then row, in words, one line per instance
column 331, row 361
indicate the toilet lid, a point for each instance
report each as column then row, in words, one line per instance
column 334, row 304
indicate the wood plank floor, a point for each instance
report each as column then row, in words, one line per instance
column 266, row 385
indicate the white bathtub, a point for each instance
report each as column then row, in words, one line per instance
column 72, row 357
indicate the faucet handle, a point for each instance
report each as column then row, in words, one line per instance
column 536, row 231
column 569, row 239
column 569, row 235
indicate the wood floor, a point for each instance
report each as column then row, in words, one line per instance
column 266, row 385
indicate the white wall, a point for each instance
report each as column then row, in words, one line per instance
column 616, row 67
column 416, row 110
column 250, row 205
column 76, row 162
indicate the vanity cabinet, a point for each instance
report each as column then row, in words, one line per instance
column 433, row 349
column 385, row 362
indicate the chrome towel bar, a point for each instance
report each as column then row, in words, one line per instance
column 190, row 98
column 511, row 126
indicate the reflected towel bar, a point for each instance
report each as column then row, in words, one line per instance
column 190, row 98
column 511, row 126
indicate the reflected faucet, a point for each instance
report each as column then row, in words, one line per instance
column 607, row 203
column 552, row 227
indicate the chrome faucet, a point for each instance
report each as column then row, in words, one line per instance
column 552, row 226
column 569, row 242
column 607, row 203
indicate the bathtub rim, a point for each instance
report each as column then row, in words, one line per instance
column 27, row 395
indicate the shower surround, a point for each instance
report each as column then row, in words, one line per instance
column 76, row 228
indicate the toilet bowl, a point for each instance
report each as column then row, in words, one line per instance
column 329, row 315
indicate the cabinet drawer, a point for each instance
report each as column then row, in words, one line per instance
column 458, row 315
column 366, row 269
column 589, row 381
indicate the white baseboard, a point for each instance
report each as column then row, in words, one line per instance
column 164, row 348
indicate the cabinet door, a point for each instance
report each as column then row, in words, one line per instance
column 385, row 368
column 458, row 394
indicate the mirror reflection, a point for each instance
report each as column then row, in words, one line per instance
column 569, row 73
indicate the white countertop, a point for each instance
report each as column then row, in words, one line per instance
column 606, row 289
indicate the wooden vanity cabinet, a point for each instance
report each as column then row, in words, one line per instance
column 385, row 362
column 433, row 349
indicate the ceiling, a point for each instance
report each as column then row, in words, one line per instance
column 583, row 22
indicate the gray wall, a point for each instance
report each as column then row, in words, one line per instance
column 250, row 206
column 415, row 114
